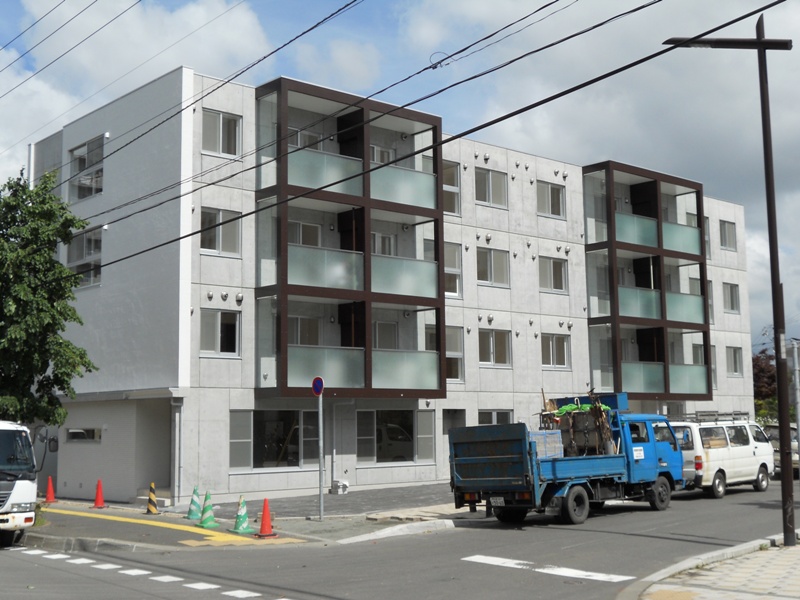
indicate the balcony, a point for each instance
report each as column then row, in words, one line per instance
column 401, row 369
column 406, row 276
column 688, row 379
column 634, row 229
column 325, row 267
column 685, row 307
column 339, row 367
column 642, row 377
column 682, row 238
column 639, row 302
column 404, row 186
column 314, row 169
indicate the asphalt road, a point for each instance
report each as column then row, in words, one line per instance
column 481, row 559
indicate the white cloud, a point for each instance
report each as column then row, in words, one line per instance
column 342, row 64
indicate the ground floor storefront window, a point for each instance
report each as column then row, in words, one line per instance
column 274, row 438
column 389, row 436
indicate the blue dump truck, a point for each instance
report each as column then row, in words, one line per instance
column 588, row 450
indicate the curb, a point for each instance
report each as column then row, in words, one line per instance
column 72, row 544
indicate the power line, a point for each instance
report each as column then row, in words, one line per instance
column 477, row 128
column 29, row 27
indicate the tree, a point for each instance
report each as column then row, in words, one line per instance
column 36, row 362
column 765, row 386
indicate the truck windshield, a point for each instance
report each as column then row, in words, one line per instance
column 16, row 453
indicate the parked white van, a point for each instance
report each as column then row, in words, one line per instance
column 720, row 450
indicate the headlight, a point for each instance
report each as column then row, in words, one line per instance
column 22, row 507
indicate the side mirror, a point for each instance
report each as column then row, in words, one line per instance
column 52, row 444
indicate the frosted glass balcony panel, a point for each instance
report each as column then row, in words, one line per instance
column 404, row 186
column 639, row 302
column 339, row 367
column 324, row 267
column 313, row 169
column 642, row 377
column 681, row 237
column 685, row 307
column 688, row 379
column 634, row 229
column 407, row 276
column 400, row 369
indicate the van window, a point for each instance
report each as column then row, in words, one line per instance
column 758, row 435
column 664, row 434
column 685, row 436
column 738, row 435
column 713, row 437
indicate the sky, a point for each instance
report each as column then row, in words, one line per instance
column 693, row 113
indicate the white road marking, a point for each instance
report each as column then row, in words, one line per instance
column 81, row 561
column 166, row 579
column 56, row 556
column 106, row 566
column 134, row 572
column 201, row 586
column 241, row 594
column 546, row 569
column 34, row 552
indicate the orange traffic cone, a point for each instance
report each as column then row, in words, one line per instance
column 266, row 523
column 98, row 496
column 51, row 495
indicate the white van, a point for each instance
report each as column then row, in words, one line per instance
column 724, row 449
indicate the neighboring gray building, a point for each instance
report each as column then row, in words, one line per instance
column 431, row 283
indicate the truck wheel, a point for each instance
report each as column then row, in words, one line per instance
column 510, row 515
column 7, row 538
column 575, row 507
column 762, row 480
column 717, row 489
column 660, row 494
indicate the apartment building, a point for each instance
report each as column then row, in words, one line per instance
column 265, row 236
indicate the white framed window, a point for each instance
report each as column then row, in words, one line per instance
column 555, row 351
column 710, row 292
column 550, row 199
column 240, row 439
column 727, row 235
column 221, row 231
column 712, row 351
column 305, row 234
column 493, row 267
column 454, row 360
column 426, row 423
column 494, row 347
column 269, row 439
column 304, row 331
column 691, row 219
column 219, row 332
column 698, row 358
column 384, row 335
column 381, row 155
column 707, row 237
column 84, row 256
column 490, row 187
column 494, row 417
column 452, row 269
column 221, row 133
column 384, row 244
column 309, row 140
column 733, row 360
column 386, row 436
column 86, row 169
column 553, row 275
column 451, row 186
column 730, row 297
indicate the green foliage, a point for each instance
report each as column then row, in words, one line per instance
column 36, row 362
column 765, row 376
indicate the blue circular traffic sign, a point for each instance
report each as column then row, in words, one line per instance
column 317, row 386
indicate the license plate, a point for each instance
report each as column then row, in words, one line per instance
column 497, row 501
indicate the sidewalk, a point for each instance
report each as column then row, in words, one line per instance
column 758, row 569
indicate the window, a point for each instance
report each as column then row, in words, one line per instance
column 84, row 256
column 494, row 347
column 691, row 219
column 494, row 417
column 381, row 155
column 454, row 362
column 274, row 438
column 304, row 331
column 86, row 169
column 493, row 267
column 451, row 187
column 84, row 434
column 219, row 332
column 737, row 434
column 707, row 237
column 639, row 434
column 713, row 353
column 384, row 335
column 710, row 292
column 550, row 199
column 555, row 350
column 384, row 243
column 221, row 237
column 426, row 420
column 552, row 274
column 387, row 435
column 490, row 187
column 452, row 269
column 758, row 435
column 220, row 133
column 304, row 234
column 304, row 139
column 733, row 357
column 694, row 286
column 730, row 297
column 713, row 437
column 698, row 358
column 727, row 235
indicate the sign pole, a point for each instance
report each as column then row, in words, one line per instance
column 317, row 386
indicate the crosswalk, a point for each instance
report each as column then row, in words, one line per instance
column 547, row 569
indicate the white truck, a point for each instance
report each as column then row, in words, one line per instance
column 17, row 482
